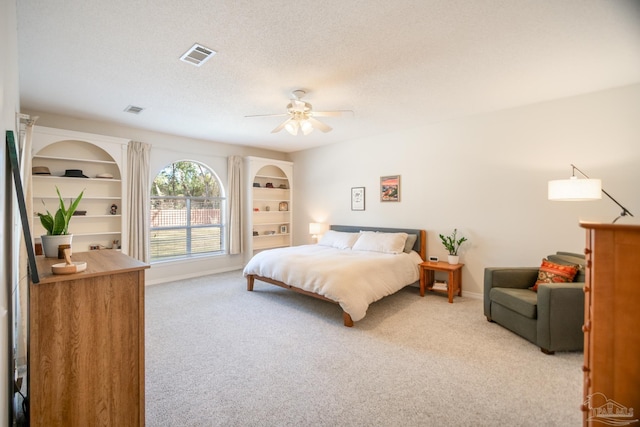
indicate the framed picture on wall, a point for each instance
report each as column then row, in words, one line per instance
column 283, row 206
column 284, row 229
column 357, row 198
column 390, row 188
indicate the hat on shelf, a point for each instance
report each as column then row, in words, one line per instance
column 74, row 173
column 40, row 170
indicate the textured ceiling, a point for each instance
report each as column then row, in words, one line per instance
column 394, row 63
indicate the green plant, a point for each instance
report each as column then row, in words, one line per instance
column 59, row 223
column 451, row 244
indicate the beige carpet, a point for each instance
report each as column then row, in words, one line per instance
column 217, row 355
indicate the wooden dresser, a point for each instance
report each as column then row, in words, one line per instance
column 86, row 343
column 612, row 318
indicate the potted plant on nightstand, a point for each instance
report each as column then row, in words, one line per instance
column 57, row 226
column 452, row 244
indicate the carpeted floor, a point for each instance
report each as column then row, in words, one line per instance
column 217, row 355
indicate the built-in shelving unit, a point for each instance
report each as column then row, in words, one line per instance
column 270, row 203
column 103, row 202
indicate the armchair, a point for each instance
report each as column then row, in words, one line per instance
column 551, row 318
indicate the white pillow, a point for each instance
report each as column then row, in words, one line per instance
column 388, row 243
column 338, row 239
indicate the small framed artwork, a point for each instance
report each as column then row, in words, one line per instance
column 284, row 229
column 390, row 188
column 284, row 206
column 357, row 198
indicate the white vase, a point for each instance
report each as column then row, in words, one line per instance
column 50, row 244
column 454, row 259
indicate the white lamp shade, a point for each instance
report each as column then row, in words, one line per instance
column 574, row 189
column 316, row 228
column 306, row 127
column 292, row 127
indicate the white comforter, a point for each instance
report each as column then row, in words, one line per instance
column 354, row 279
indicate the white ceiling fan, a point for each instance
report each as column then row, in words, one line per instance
column 301, row 117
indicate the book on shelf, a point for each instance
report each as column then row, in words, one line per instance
column 439, row 286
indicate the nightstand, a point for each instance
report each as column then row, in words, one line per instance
column 427, row 270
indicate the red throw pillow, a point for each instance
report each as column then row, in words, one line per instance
column 551, row 272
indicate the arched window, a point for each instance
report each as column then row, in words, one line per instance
column 187, row 212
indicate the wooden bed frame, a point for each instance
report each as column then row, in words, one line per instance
column 420, row 247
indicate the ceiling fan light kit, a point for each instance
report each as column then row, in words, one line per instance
column 300, row 116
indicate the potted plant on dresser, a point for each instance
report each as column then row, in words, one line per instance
column 57, row 226
column 452, row 244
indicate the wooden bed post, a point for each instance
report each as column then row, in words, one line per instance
column 250, row 279
column 347, row 319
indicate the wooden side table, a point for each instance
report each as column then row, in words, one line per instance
column 427, row 276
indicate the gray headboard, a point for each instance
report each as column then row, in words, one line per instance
column 421, row 242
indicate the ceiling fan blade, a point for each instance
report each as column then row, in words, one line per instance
column 334, row 113
column 317, row 124
column 269, row 115
column 281, row 125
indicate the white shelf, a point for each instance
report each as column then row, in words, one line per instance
column 99, row 233
column 83, row 198
column 276, row 173
column 75, row 179
column 70, row 159
column 281, row 178
column 59, row 150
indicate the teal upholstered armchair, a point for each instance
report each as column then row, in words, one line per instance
column 551, row 318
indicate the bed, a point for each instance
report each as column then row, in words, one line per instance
column 351, row 266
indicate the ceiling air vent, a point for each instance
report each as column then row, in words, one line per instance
column 133, row 109
column 197, row 55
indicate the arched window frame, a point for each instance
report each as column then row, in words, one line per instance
column 190, row 218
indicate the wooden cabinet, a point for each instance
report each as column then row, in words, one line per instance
column 86, row 343
column 96, row 156
column 612, row 315
column 270, row 202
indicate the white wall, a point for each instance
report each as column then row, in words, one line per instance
column 167, row 149
column 485, row 175
column 10, row 105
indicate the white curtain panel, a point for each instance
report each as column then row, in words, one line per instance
column 234, row 169
column 138, row 155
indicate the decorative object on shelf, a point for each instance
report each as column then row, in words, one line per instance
column 104, row 176
column 283, row 206
column 74, row 173
column 269, row 233
column 452, row 244
column 79, row 213
column 283, row 229
column 269, row 185
column 267, row 208
column 390, row 188
column 284, row 186
column 62, row 249
column 580, row 190
column 114, row 209
column 40, row 170
column 57, row 226
column 255, row 233
column 357, row 198
column 68, row 267
column 256, row 184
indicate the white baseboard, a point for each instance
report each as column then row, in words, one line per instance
column 190, row 275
